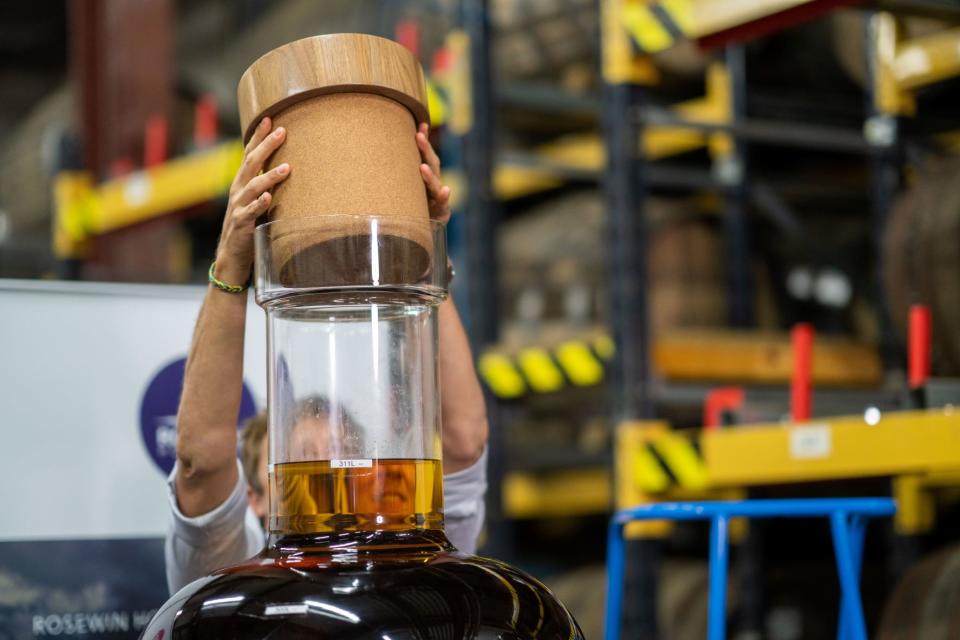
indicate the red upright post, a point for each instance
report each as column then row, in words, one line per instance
column 718, row 402
column 155, row 135
column 801, row 387
column 205, row 121
column 919, row 348
column 407, row 33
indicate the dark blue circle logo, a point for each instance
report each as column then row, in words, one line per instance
column 158, row 413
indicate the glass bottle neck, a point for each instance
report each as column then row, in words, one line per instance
column 354, row 421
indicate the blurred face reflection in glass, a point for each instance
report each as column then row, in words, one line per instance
column 381, row 486
column 311, row 438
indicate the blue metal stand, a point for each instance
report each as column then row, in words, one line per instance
column 848, row 524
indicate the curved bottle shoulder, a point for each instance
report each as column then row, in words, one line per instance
column 450, row 595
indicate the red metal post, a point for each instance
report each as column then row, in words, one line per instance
column 717, row 402
column 155, row 135
column 919, row 347
column 801, row 387
column 408, row 34
column 205, row 123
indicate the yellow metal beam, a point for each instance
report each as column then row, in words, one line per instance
column 706, row 17
column 571, row 492
column 916, row 510
column 903, row 66
column 582, row 151
column 641, row 479
column 901, row 443
column 751, row 357
column 173, row 186
column 656, row 26
column 510, row 182
column 586, row 152
column 719, row 356
column 927, row 59
column 887, row 97
column 619, row 64
column 715, row 108
column 84, row 210
column 920, row 450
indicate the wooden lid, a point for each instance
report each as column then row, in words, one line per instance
column 336, row 63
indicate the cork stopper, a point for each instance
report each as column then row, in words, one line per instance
column 350, row 104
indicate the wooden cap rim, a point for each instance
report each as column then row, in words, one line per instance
column 358, row 63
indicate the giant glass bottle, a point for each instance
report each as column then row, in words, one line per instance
column 356, row 547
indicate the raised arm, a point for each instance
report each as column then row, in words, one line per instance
column 462, row 406
column 210, row 403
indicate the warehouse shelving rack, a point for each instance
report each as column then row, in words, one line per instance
column 628, row 29
column 717, row 121
column 916, row 448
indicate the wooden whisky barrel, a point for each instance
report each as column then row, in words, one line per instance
column 922, row 257
column 926, row 603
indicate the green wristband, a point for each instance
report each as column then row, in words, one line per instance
column 223, row 286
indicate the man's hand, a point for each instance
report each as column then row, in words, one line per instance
column 249, row 198
column 438, row 194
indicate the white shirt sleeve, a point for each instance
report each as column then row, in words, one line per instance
column 227, row 535
column 464, row 507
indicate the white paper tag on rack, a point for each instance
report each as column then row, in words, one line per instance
column 810, row 442
column 356, row 463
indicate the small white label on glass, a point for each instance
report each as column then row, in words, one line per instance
column 357, row 463
column 285, row 609
column 810, row 442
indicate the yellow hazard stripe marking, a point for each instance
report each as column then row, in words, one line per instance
column 619, row 64
column 648, row 475
column 539, row 369
column 500, row 376
column 681, row 11
column 580, row 364
column 604, row 347
column 543, row 370
column 645, row 28
column 682, row 460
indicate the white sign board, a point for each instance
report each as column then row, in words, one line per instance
column 89, row 383
column 77, row 359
